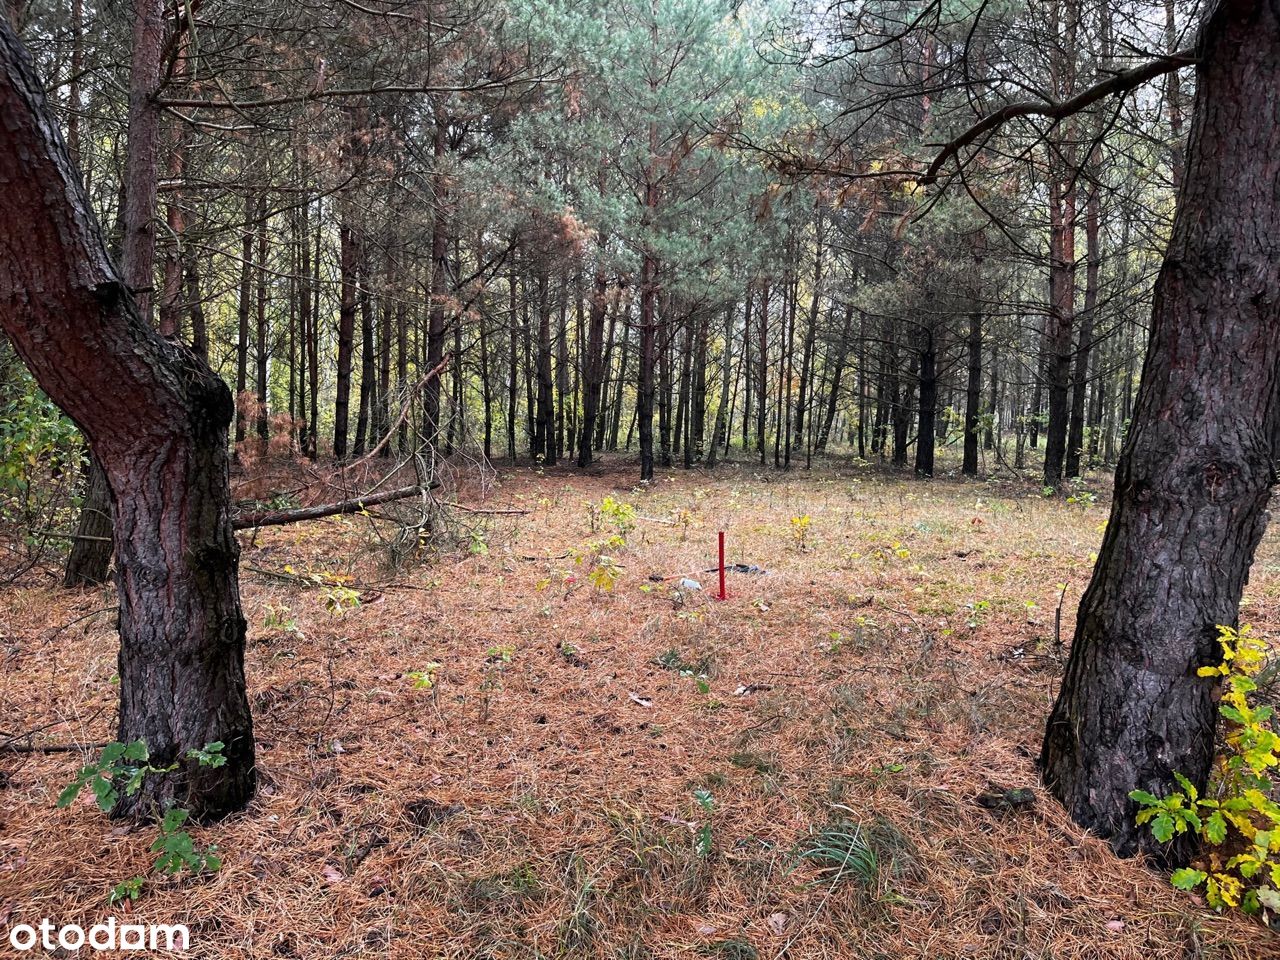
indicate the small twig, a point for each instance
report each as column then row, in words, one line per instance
column 481, row 510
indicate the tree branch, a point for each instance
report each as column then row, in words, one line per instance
column 1121, row 82
column 276, row 518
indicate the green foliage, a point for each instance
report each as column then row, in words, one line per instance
column 1237, row 821
column 844, row 852
column 40, row 457
column 177, row 851
column 35, row 438
column 800, row 531
column 120, row 766
column 339, row 599
column 425, row 679
column 605, row 574
column 621, row 516
column 703, row 842
column 121, row 769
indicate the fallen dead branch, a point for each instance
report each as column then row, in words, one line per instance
column 276, row 518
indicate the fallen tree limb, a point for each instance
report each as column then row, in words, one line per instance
column 276, row 518
column 497, row 512
column 49, row 748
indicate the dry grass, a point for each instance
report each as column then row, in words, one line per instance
column 545, row 807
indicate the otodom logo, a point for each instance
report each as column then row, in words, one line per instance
column 110, row 935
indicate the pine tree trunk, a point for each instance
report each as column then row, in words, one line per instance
column 973, row 396
column 157, row 419
column 925, row 433
column 593, row 374
column 348, row 258
column 262, row 347
column 1195, row 475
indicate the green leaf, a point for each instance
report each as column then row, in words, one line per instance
column 1187, row 786
column 1215, row 828
column 112, row 752
column 1162, row 828
column 173, row 819
column 69, row 793
column 703, row 845
column 1144, row 798
column 1187, row 879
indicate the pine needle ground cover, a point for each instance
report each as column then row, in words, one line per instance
column 509, row 754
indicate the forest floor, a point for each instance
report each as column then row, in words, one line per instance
column 544, row 790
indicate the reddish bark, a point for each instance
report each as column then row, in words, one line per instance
column 1196, row 473
column 157, row 419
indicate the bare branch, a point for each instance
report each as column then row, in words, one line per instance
column 1121, row 82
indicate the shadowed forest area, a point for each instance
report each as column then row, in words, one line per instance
column 567, row 479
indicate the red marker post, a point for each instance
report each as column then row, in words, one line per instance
column 723, row 595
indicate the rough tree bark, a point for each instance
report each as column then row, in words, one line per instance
column 157, row 419
column 90, row 558
column 1197, row 468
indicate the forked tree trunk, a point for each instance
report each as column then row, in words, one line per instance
column 1197, row 468
column 157, row 419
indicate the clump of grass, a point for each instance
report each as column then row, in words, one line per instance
column 518, row 883
column 844, row 851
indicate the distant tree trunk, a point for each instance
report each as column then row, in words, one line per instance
column 1084, row 348
column 684, row 427
column 195, row 303
column 837, row 372
column 313, row 353
column 1062, row 257
column 243, row 306
column 89, row 560
column 993, row 399
column 436, row 320
column 925, row 434
column 513, row 365
column 157, row 419
column 973, row 396
column 665, row 336
column 782, row 418
column 348, row 259
column 368, row 364
column 762, row 371
column 386, row 315
column 698, row 404
column 1196, row 472
column 648, row 357
column 593, row 375
column 1037, row 396
column 261, row 344
column 562, row 371
column 616, row 426
column 1058, row 324
column 721, row 428
column 604, row 415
